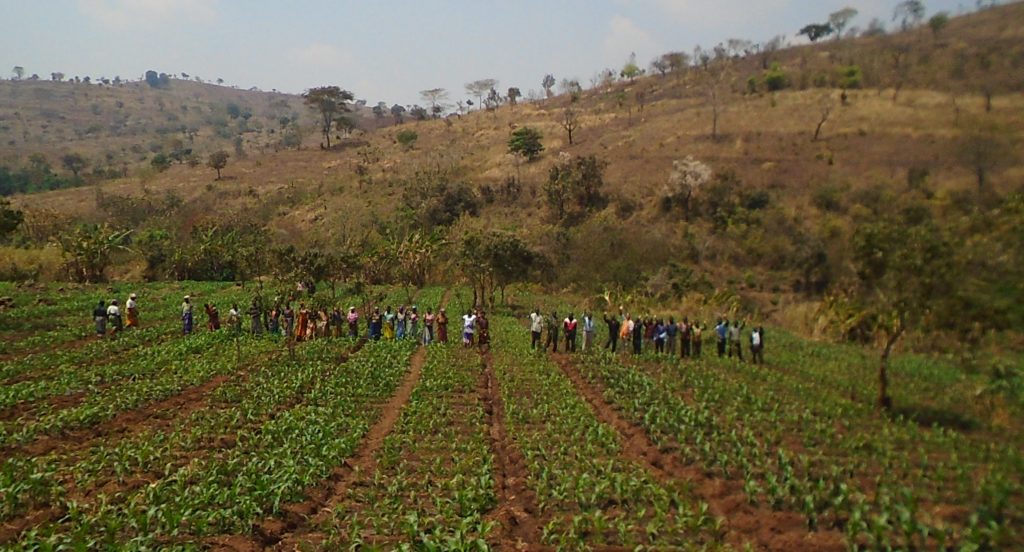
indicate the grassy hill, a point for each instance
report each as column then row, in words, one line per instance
column 775, row 221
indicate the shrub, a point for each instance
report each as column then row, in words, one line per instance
column 775, row 78
column 407, row 138
column 525, row 141
column 850, row 77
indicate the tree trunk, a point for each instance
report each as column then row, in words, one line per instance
column 884, row 400
column 980, row 172
column 714, row 122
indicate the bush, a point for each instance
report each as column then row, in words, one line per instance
column 407, row 138
column 850, row 77
column 525, row 141
column 161, row 162
column 775, row 78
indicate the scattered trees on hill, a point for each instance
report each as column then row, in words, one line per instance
column 547, row 83
column 332, row 103
column 840, row 19
column 435, row 97
column 398, row 112
column 526, row 141
column 983, row 148
column 513, row 95
column 480, row 89
column 217, row 161
column 157, row 80
column 909, row 13
column 492, row 260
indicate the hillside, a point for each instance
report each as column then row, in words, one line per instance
column 775, row 221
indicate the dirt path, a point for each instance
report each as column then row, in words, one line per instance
column 299, row 525
column 517, row 511
column 763, row 528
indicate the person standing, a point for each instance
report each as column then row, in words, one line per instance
column 588, row 331
column 613, row 332
column 400, row 317
column 99, row 316
column 274, row 321
column 671, row 336
column 353, row 322
column 468, row 328
column 735, row 343
column 686, row 331
column 302, row 325
column 536, row 328
column 638, row 336
column 212, row 317
column 552, row 340
column 235, row 319
column 649, row 332
column 337, row 321
column 389, row 323
column 114, row 318
column 660, row 335
column 757, row 345
column 569, row 326
column 412, row 323
column 626, row 331
column 376, row 325
column 428, row 327
column 483, row 337
column 698, row 338
column 442, row 326
column 255, row 315
column 186, row 316
column 721, row 332
column 132, row 311
column 289, row 321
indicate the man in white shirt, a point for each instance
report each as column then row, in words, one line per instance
column 536, row 328
column 468, row 327
column 588, row 331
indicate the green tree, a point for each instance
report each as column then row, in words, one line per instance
column 575, row 188
column 775, row 78
column 903, row 269
column 526, row 141
column 435, row 97
column 840, row 19
column 547, row 83
column 161, row 162
column 331, row 102
column 217, row 161
column 10, row 218
column 492, row 260
column 74, row 162
column 631, row 70
column 816, row 31
column 570, row 122
column 938, row 22
column 88, row 248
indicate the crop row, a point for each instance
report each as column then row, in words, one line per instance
column 587, row 491
column 265, row 467
column 741, row 431
column 433, row 483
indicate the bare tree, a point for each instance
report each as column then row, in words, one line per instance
column 716, row 81
column 570, row 122
column 826, row 112
column 480, row 88
column 434, row 97
column 840, row 19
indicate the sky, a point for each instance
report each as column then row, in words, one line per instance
column 389, row 50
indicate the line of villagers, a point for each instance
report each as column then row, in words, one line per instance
column 653, row 333
column 306, row 324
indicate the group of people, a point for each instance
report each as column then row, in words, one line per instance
column 664, row 337
column 306, row 324
column 108, row 318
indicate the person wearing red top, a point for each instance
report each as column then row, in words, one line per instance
column 569, row 327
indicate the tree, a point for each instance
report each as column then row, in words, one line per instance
column 768, row 50
column 661, row 65
column 983, row 149
column 938, row 22
column 480, row 88
column 87, row 250
column 687, row 178
column 434, row 97
column 526, row 141
column 574, row 188
column 547, row 83
column 903, row 269
column 217, row 161
column 493, row 259
column 331, row 102
column 74, row 162
column 909, row 13
column 416, row 254
column 875, row 28
column 398, row 111
column 513, row 95
column 716, row 81
column 816, row 31
column 840, row 19
column 57, row 76
column 18, row 71
column 10, row 218
column 161, row 162
column 570, row 121
column 631, row 70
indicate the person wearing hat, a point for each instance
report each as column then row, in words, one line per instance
column 133, row 312
column 186, row 316
column 114, row 317
column 442, row 326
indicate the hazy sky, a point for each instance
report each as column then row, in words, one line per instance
column 387, row 49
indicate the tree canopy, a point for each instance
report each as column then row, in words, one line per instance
column 332, row 103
